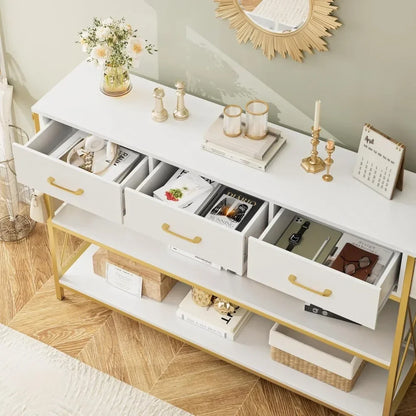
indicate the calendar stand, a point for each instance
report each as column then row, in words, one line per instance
column 380, row 162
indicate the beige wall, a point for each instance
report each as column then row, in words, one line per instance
column 368, row 75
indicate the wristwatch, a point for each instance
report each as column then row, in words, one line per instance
column 295, row 238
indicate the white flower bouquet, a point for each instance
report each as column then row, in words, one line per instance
column 114, row 43
column 115, row 46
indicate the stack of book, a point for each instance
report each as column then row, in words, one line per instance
column 225, row 326
column 254, row 153
column 186, row 190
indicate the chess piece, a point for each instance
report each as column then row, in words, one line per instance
column 181, row 113
column 159, row 113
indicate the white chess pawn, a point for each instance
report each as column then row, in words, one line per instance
column 181, row 113
column 159, row 113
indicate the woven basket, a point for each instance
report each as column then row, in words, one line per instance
column 315, row 371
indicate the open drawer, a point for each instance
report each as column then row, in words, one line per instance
column 316, row 283
column 185, row 230
column 37, row 169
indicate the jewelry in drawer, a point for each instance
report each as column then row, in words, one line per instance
column 81, row 169
column 323, row 266
column 196, row 216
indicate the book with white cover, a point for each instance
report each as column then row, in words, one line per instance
column 384, row 254
column 226, row 326
column 195, row 204
column 243, row 159
column 183, row 190
column 124, row 163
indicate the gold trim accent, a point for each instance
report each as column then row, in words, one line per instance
column 395, row 298
column 199, row 347
column 325, row 293
column 234, row 106
column 217, row 294
column 233, row 135
column 405, row 352
column 195, row 240
column 307, row 38
column 56, row 268
column 257, row 101
column 403, row 389
column 51, row 181
column 75, row 256
column 36, row 122
column 398, row 337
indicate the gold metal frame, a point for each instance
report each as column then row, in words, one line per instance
column 307, row 38
column 394, row 392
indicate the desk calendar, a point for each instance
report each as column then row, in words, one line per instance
column 379, row 162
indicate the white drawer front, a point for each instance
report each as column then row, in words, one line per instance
column 187, row 231
column 66, row 182
column 318, row 284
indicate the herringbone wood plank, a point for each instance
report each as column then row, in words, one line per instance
column 130, row 351
column 203, row 384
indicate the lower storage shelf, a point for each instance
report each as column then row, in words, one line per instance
column 373, row 346
column 250, row 350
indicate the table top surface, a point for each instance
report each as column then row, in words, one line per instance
column 344, row 203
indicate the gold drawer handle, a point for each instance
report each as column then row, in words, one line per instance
column 77, row 192
column 292, row 279
column 195, row 240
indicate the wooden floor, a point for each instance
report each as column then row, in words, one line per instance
column 129, row 351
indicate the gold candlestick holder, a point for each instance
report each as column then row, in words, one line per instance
column 313, row 163
column 330, row 148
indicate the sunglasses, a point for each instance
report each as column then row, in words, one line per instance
column 352, row 266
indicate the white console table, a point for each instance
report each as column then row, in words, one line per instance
column 99, row 214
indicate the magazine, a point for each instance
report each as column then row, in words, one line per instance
column 185, row 190
column 126, row 160
column 231, row 208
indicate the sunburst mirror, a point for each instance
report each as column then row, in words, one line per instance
column 288, row 27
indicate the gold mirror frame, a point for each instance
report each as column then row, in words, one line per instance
column 306, row 38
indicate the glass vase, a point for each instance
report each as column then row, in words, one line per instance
column 115, row 81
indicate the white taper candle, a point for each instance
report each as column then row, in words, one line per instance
column 317, row 114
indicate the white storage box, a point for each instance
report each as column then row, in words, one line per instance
column 315, row 358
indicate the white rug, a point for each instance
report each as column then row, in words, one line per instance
column 38, row 380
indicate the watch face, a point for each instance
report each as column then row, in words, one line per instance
column 295, row 238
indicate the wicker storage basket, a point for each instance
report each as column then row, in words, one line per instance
column 314, row 358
